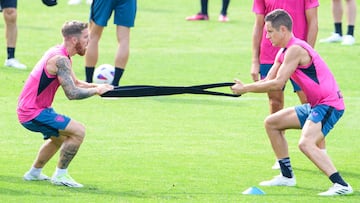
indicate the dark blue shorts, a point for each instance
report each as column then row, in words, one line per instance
column 8, row 3
column 124, row 12
column 48, row 122
column 264, row 69
column 326, row 114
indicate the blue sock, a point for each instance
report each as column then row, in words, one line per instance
column 204, row 7
column 285, row 167
column 118, row 73
column 11, row 52
column 89, row 72
column 225, row 5
column 336, row 178
column 338, row 28
column 350, row 30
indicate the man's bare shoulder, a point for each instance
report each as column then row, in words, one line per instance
column 298, row 53
column 295, row 48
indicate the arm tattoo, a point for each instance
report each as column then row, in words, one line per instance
column 71, row 90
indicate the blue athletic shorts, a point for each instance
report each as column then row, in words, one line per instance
column 264, row 69
column 326, row 114
column 48, row 122
column 124, row 12
column 8, row 3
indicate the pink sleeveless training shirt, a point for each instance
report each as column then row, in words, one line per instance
column 296, row 9
column 315, row 79
column 40, row 87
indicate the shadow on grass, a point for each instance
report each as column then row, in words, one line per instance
column 10, row 185
column 200, row 100
column 31, row 188
column 343, row 173
column 16, row 186
column 317, row 190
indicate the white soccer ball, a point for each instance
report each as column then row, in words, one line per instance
column 104, row 74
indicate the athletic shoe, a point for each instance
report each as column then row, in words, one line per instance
column 14, row 64
column 279, row 180
column 198, row 16
column 74, row 2
column 276, row 166
column 65, row 180
column 223, row 18
column 337, row 189
column 30, row 177
column 348, row 40
column 335, row 37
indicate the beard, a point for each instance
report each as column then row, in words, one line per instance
column 80, row 49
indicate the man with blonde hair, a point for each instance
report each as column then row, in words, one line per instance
column 36, row 114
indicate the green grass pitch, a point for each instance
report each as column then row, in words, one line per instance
column 182, row 148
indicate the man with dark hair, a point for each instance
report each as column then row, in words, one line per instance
column 299, row 61
column 305, row 20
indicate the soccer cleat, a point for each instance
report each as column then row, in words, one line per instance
column 276, row 165
column 74, row 2
column 65, row 180
column 30, row 177
column 14, row 63
column 198, row 16
column 223, row 18
column 335, row 37
column 348, row 40
column 337, row 189
column 279, row 180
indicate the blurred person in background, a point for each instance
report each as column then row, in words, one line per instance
column 124, row 18
column 203, row 14
column 9, row 10
column 337, row 13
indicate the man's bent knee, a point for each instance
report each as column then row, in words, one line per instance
column 75, row 129
column 10, row 14
column 269, row 121
column 306, row 146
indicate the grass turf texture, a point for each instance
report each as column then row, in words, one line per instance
column 183, row 148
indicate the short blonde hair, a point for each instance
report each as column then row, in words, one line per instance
column 73, row 28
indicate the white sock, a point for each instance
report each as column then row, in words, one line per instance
column 59, row 171
column 35, row 171
column 323, row 150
